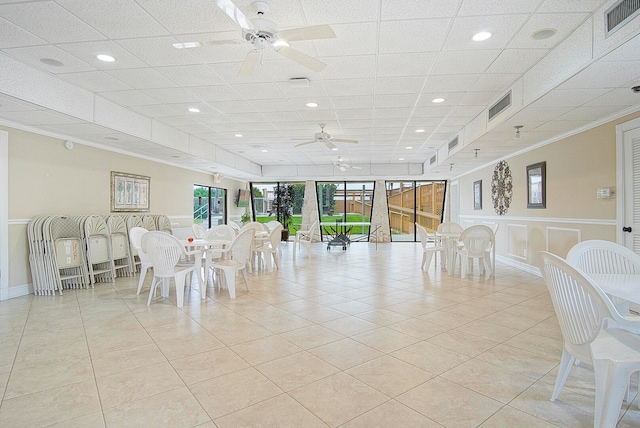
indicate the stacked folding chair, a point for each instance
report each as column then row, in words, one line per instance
column 99, row 254
column 120, row 245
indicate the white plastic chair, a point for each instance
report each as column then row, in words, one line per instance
column 477, row 240
column 306, row 237
column 584, row 312
column 236, row 227
column 269, row 249
column 165, row 252
column 135, row 236
column 428, row 251
column 259, row 230
column 239, row 252
column 598, row 256
column 198, row 231
column 449, row 227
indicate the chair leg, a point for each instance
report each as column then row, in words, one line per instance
column 244, row 277
column 180, row 279
column 152, row 289
column 143, row 274
column 611, row 381
column 566, row 362
column 427, row 263
column 230, row 279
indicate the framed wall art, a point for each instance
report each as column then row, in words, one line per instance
column 536, row 187
column 477, row 195
column 130, row 192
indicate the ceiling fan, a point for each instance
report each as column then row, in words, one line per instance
column 343, row 165
column 327, row 139
column 262, row 33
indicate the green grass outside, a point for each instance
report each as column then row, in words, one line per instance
column 294, row 224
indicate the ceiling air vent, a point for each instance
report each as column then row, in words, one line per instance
column 452, row 144
column 619, row 14
column 504, row 102
column 432, row 160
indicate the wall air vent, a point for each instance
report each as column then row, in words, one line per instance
column 498, row 107
column 452, row 144
column 432, row 160
column 619, row 14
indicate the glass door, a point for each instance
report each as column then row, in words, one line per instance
column 209, row 206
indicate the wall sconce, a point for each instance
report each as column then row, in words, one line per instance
column 518, row 127
column 476, row 153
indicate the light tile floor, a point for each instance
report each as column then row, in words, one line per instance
column 356, row 338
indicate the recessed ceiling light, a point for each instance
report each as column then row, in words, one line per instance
column 312, row 105
column 335, row 149
column 409, row 147
column 238, row 135
column 401, row 159
column 483, row 35
column 544, row 34
column 437, row 100
column 264, row 150
column 52, row 62
column 419, row 130
column 105, row 58
column 194, row 110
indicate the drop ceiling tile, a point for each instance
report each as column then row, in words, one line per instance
column 158, row 110
column 172, row 95
column 215, row 93
column 453, row 120
column 190, row 75
column 360, row 66
column 122, row 20
column 12, row 35
column 142, row 78
column 450, row 98
column 247, row 118
column 318, row 116
column 621, row 97
column 258, row 91
column 560, row 6
column 129, row 98
column 392, row 112
column 87, row 51
column 495, row 82
column 159, row 52
column 338, row 11
column 279, row 105
column 396, row 101
column 228, row 72
column 618, row 74
column 399, row 85
column 351, row 39
column 497, row 7
column 354, row 114
column 407, row 64
column 32, row 54
column 451, row 83
column 315, row 91
column 350, row 87
column 502, row 27
column 480, row 98
column 467, row 111
column 516, row 61
column 560, row 125
column 201, row 16
column 281, row 116
column 418, row 9
column 424, row 35
column 538, row 114
column 563, row 23
column 354, row 102
column 177, row 120
column 95, row 81
column 35, row 17
column 568, row 97
column 467, row 62
column 432, row 111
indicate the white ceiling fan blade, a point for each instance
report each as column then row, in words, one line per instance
column 340, row 140
column 315, row 32
column 342, row 168
column 302, row 59
column 234, row 13
column 249, row 64
column 330, row 145
column 305, row 143
column 189, row 45
column 356, row 167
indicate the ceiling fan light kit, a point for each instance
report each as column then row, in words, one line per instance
column 263, row 33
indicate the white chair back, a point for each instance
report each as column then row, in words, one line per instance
column 423, row 235
column 241, row 246
column 198, row 231
column 222, row 232
column 598, row 256
column 275, row 236
column 449, row 227
column 272, row 224
column 235, row 226
column 164, row 251
column 477, row 239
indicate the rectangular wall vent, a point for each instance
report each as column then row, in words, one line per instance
column 432, row 160
column 504, row 102
column 619, row 14
column 452, row 144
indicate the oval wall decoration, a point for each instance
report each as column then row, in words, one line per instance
column 501, row 188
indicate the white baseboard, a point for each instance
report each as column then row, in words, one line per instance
column 13, row 292
column 534, row 270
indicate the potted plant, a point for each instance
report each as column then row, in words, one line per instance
column 245, row 218
column 283, row 207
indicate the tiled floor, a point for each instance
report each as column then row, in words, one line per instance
column 356, row 338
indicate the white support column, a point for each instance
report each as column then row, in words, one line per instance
column 380, row 214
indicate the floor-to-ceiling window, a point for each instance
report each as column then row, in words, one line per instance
column 414, row 201
column 345, row 207
column 209, row 206
column 265, row 203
